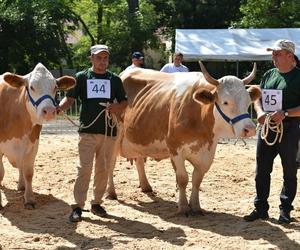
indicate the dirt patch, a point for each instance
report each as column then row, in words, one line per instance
column 144, row 221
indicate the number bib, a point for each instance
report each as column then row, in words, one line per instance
column 272, row 99
column 98, row 88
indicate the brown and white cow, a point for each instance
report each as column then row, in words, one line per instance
column 25, row 103
column 182, row 116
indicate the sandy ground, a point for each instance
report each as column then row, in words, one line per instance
column 144, row 221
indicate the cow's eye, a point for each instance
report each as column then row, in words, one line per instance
column 225, row 103
column 32, row 88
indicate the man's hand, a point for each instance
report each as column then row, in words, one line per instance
column 277, row 116
column 261, row 116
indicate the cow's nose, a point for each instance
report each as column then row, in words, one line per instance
column 49, row 113
column 249, row 130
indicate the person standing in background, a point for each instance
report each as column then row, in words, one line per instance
column 176, row 65
column 137, row 60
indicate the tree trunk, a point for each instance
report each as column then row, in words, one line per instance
column 133, row 6
column 99, row 23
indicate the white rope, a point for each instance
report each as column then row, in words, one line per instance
column 271, row 125
column 87, row 126
column 110, row 121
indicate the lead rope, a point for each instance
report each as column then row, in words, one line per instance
column 271, row 125
column 110, row 121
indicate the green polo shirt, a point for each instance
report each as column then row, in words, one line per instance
column 91, row 89
column 289, row 83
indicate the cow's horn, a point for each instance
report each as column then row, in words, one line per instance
column 249, row 78
column 207, row 76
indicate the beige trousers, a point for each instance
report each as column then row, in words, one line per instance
column 102, row 149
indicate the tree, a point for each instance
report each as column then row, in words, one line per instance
column 124, row 26
column 269, row 14
column 34, row 31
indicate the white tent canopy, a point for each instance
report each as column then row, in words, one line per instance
column 231, row 44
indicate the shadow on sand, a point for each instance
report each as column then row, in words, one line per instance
column 220, row 223
column 51, row 217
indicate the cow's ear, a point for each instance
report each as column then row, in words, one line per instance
column 254, row 92
column 14, row 80
column 65, row 82
column 205, row 96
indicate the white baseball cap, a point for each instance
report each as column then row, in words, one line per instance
column 283, row 44
column 99, row 48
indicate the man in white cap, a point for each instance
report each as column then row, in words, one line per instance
column 95, row 85
column 281, row 102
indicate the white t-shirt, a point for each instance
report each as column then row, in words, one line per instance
column 171, row 68
column 132, row 66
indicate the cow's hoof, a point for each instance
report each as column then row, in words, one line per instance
column 29, row 205
column 111, row 196
column 21, row 188
column 147, row 189
column 197, row 212
column 184, row 212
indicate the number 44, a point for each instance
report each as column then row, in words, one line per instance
column 98, row 88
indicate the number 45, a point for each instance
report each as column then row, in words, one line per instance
column 270, row 99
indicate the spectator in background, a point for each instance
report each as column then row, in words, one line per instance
column 176, row 66
column 137, row 60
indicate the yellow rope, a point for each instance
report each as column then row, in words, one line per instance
column 271, row 125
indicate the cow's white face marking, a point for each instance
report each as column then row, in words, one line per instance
column 40, row 83
column 233, row 100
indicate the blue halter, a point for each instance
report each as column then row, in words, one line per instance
column 235, row 119
column 42, row 98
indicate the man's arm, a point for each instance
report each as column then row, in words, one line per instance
column 261, row 115
column 65, row 104
column 293, row 112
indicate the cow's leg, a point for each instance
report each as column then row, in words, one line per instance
column 194, row 198
column 182, row 181
column 1, row 177
column 21, row 183
column 1, row 169
column 144, row 184
column 111, row 192
column 28, row 194
column 28, row 170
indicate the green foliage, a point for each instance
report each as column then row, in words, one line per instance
column 33, row 31
column 269, row 14
column 122, row 31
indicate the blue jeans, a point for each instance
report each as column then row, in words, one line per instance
column 265, row 156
